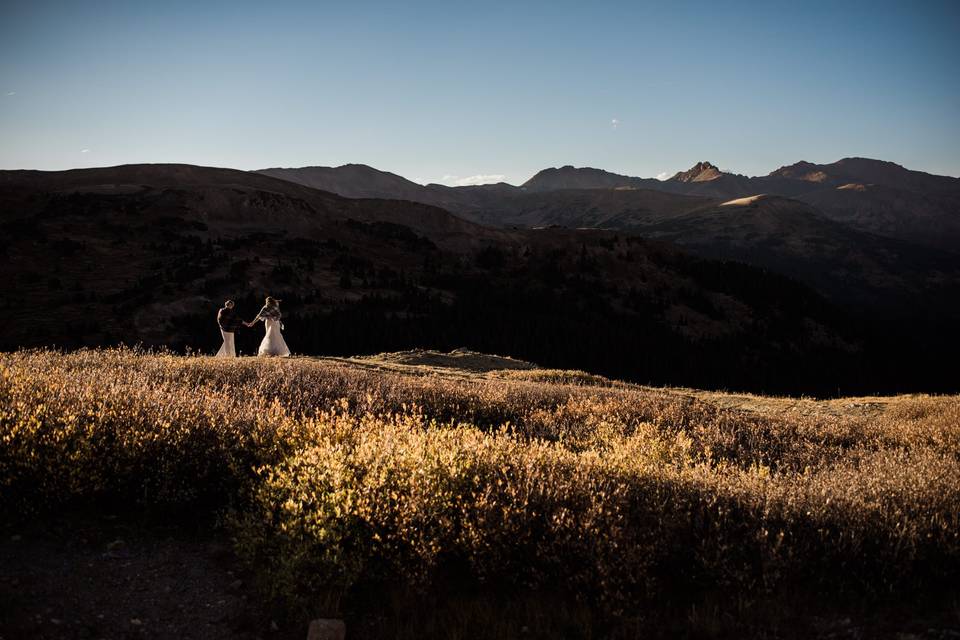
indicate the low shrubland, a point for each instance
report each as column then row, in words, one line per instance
column 332, row 477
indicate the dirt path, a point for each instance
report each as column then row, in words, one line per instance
column 102, row 577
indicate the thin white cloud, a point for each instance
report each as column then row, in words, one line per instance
column 488, row 178
column 84, row 150
column 663, row 176
column 11, row 93
column 615, row 123
column 469, row 181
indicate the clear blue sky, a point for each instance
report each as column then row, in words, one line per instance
column 429, row 90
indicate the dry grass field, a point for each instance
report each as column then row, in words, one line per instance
column 437, row 495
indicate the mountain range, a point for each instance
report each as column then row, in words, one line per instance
column 857, row 229
column 809, row 278
column 870, row 195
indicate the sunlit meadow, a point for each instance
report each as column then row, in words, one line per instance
column 329, row 476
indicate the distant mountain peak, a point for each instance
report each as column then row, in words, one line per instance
column 869, row 162
column 803, row 170
column 700, row 172
column 571, row 177
column 856, row 170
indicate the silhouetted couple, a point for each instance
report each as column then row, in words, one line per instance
column 272, row 344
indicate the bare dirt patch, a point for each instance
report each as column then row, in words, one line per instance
column 88, row 576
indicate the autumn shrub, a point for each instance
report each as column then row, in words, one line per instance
column 403, row 499
column 334, row 475
column 554, row 376
column 86, row 426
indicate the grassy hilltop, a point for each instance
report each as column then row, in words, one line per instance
column 424, row 494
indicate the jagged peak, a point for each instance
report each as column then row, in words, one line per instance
column 701, row 172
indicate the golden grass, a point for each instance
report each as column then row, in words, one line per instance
column 335, row 473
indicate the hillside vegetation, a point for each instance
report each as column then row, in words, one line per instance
column 785, row 301
column 342, row 478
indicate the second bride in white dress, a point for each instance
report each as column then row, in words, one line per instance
column 273, row 343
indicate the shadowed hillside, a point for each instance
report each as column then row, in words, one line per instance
column 793, row 238
column 146, row 253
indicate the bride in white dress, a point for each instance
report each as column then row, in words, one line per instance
column 273, row 343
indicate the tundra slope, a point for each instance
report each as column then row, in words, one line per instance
column 146, row 253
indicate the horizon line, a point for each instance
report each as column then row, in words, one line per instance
column 430, row 182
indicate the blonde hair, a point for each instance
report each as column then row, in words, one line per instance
column 272, row 302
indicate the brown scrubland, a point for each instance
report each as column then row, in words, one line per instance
column 466, row 492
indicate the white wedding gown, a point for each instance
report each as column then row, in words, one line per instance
column 273, row 343
column 227, row 350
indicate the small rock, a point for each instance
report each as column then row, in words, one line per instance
column 136, row 622
column 327, row 629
